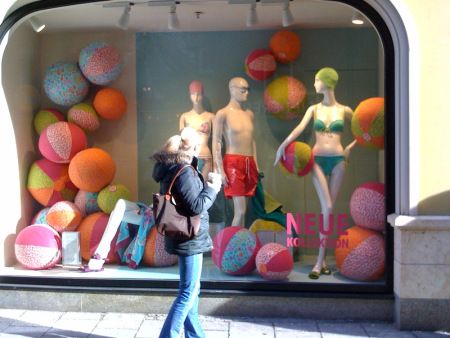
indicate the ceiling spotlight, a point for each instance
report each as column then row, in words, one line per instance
column 173, row 18
column 125, row 17
column 357, row 18
column 286, row 17
column 252, row 16
column 37, row 25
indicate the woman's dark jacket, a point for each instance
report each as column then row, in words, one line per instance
column 192, row 197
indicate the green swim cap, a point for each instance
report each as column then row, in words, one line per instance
column 328, row 76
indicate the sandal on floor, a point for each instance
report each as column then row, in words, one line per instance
column 314, row 274
column 325, row 270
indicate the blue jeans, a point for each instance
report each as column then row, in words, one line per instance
column 184, row 310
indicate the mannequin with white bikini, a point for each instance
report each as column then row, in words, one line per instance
column 329, row 154
column 202, row 121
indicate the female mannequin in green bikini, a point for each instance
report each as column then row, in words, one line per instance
column 329, row 154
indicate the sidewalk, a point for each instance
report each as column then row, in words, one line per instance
column 26, row 323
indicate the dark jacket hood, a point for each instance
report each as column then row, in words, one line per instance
column 168, row 163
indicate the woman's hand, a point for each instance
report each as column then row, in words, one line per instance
column 279, row 155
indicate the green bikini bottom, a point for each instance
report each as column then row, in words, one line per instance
column 327, row 163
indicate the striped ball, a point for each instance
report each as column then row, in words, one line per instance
column 285, row 46
column 274, row 262
column 64, row 216
column 364, row 257
column 284, row 97
column 155, row 253
column 38, row 247
column 92, row 169
column 100, row 62
column 368, row 207
column 60, row 141
column 49, row 182
column 91, row 231
column 64, row 84
column 84, row 116
column 260, row 64
column 87, row 202
column 234, row 250
column 368, row 123
column 108, row 196
column 299, row 159
column 41, row 216
column 110, row 103
column 46, row 117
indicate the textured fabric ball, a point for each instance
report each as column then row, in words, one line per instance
column 64, row 216
column 41, row 216
column 363, row 259
column 155, row 253
column 285, row 46
column 284, row 96
column 87, row 202
column 260, row 64
column 274, row 261
column 108, row 196
column 234, row 250
column 110, row 103
column 84, row 116
column 299, row 159
column 100, row 62
column 46, row 117
column 264, row 225
column 64, row 84
column 60, row 141
column 368, row 123
column 49, row 182
column 91, row 231
column 92, row 169
column 38, row 247
column 367, row 206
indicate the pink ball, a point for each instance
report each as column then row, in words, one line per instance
column 64, row 216
column 61, row 141
column 37, row 247
column 234, row 250
column 274, row 261
column 260, row 64
column 367, row 206
column 155, row 253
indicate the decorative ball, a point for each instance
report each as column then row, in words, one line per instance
column 64, row 216
column 100, row 62
column 260, row 64
column 274, row 261
column 368, row 123
column 284, row 97
column 64, row 84
column 92, row 169
column 285, row 46
column 264, row 225
column 110, row 103
column 49, row 182
column 91, row 231
column 108, row 196
column 41, row 216
column 367, row 206
column 38, row 247
column 84, row 116
column 46, row 117
column 87, row 202
column 299, row 159
column 234, row 250
column 155, row 253
column 363, row 259
column 60, row 141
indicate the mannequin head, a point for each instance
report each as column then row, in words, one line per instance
column 238, row 89
column 196, row 91
column 327, row 77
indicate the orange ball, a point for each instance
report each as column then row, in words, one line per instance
column 285, row 46
column 92, row 169
column 64, row 216
column 110, row 103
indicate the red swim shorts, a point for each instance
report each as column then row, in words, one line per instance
column 242, row 175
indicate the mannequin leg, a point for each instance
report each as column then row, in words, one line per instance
column 207, row 167
column 240, row 206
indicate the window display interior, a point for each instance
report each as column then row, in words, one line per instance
column 278, row 111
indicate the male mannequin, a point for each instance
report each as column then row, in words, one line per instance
column 238, row 167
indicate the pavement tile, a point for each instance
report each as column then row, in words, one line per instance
column 259, row 329
column 37, row 318
column 58, row 333
column 297, row 325
column 115, row 333
column 25, row 331
column 130, row 321
column 337, row 329
column 5, row 324
column 209, row 325
column 216, row 334
column 6, row 314
column 80, row 325
column 384, row 330
column 150, row 328
column 82, row 315
column 437, row 334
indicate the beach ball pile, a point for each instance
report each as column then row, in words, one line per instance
column 368, row 123
column 46, row 117
column 298, row 159
column 284, row 97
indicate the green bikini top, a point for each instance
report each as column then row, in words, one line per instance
column 336, row 126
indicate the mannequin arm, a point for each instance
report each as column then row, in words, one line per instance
column 182, row 122
column 219, row 122
column 348, row 114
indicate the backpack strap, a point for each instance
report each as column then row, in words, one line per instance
column 168, row 193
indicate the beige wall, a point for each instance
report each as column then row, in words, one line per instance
column 433, row 28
